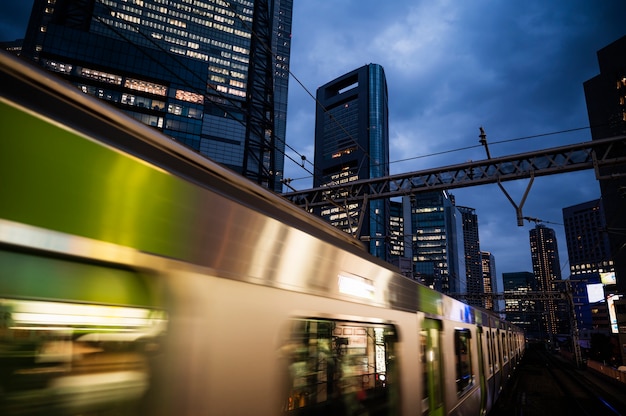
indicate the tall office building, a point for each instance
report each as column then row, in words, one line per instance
column 547, row 270
column 437, row 244
column 212, row 75
column 396, row 229
column 520, row 309
column 587, row 241
column 488, row 268
column 605, row 95
column 471, row 251
column 352, row 143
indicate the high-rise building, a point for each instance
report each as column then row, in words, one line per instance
column 396, row 229
column 488, row 267
column 592, row 275
column 587, row 241
column 437, row 244
column 547, row 270
column 471, row 250
column 521, row 309
column 605, row 95
column 212, row 75
column 352, row 143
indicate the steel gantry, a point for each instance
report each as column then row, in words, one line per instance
column 570, row 158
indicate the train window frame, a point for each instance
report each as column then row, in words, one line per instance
column 335, row 365
column 489, row 352
column 465, row 377
column 505, row 349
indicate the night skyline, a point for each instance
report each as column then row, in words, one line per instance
column 516, row 70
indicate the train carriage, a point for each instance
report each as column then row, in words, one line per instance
column 138, row 277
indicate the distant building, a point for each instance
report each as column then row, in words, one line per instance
column 521, row 307
column 488, row 267
column 212, row 75
column 352, row 143
column 14, row 46
column 547, row 270
column 471, row 250
column 397, row 240
column 588, row 247
column 437, row 247
column 590, row 306
column 605, row 95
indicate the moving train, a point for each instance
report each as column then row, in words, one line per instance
column 139, row 278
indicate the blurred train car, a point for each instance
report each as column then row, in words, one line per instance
column 137, row 277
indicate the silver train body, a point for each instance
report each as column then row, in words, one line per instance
column 137, row 277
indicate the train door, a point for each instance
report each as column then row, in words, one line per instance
column 481, row 370
column 430, row 357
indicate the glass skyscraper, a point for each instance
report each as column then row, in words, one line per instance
column 352, row 143
column 211, row 74
column 437, row 243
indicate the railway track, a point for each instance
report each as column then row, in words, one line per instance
column 546, row 384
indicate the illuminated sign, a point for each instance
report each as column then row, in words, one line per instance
column 608, row 278
column 610, row 300
column 595, row 292
column 356, row 286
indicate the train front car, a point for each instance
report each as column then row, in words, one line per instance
column 137, row 277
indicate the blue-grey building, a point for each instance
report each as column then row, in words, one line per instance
column 352, row 143
column 212, row 75
column 437, row 247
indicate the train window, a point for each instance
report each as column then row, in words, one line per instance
column 489, row 352
column 69, row 346
column 463, row 358
column 505, row 356
column 494, row 349
column 340, row 367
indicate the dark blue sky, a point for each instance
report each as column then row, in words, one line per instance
column 515, row 68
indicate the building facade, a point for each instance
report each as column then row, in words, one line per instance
column 352, row 143
column 436, row 227
column 547, row 270
column 471, row 250
column 488, row 268
column 521, row 307
column 588, row 247
column 605, row 96
column 212, row 75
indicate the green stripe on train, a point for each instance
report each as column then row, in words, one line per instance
column 33, row 277
column 51, row 177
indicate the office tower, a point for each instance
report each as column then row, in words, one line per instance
column 202, row 72
column 398, row 240
column 546, row 268
column 590, row 306
column 521, row 307
column 352, row 143
column 605, row 95
column 588, row 246
column 488, row 268
column 473, row 263
column 396, row 229
column 437, row 241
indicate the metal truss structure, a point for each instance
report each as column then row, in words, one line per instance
column 570, row 158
